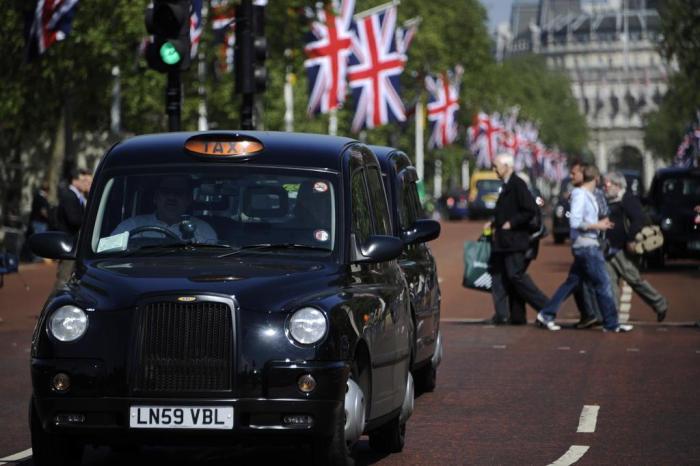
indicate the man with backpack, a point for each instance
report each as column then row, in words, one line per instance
column 628, row 216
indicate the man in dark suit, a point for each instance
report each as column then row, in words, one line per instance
column 512, row 287
column 69, row 215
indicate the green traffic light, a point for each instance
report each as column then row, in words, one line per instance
column 169, row 54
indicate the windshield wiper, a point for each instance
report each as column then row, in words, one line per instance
column 173, row 246
column 263, row 246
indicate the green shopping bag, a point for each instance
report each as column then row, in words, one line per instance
column 476, row 264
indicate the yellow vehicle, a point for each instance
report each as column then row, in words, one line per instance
column 484, row 188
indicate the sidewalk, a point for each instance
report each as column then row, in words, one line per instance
column 19, row 306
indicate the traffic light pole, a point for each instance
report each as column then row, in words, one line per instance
column 172, row 100
column 247, row 111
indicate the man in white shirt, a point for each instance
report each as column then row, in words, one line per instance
column 173, row 198
column 589, row 263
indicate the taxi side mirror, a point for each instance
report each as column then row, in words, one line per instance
column 53, row 245
column 378, row 248
column 421, row 231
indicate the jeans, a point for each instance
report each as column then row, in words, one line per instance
column 589, row 264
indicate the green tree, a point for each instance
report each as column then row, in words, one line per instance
column 665, row 127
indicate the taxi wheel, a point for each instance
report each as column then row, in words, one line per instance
column 334, row 450
column 389, row 438
column 426, row 378
column 50, row 449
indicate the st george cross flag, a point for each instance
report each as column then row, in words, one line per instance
column 443, row 103
column 52, row 22
column 195, row 27
column 375, row 67
column 328, row 49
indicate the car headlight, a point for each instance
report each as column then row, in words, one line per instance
column 68, row 323
column 666, row 224
column 308, row 325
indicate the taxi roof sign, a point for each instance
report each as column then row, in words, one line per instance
column 223, row 146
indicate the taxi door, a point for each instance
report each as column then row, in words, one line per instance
column 381, row 290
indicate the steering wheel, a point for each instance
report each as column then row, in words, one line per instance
column 156, row 229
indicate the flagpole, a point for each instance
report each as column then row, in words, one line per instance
column 333, row 122
column 376, row 9
column 420, row 156
column 288, row 102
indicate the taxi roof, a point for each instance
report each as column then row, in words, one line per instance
column 280, row 148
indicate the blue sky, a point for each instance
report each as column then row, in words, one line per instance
column 498, row 11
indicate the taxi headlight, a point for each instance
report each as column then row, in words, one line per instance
column 666, row 224
column 307, row 325
column 68, row 323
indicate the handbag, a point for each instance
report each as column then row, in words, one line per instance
column 476, row 264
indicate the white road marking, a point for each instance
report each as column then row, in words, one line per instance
column 439, row 279
column 499, row 346
column 564, row 348
column 18, row 456
column 588, row 419
column 633, row 350
column 582, row 352
column 662, row 329
column 572, row 455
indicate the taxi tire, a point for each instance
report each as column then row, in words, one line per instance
column 389, row 438
column 51, row 449
column 334, row 450
column 426, row 378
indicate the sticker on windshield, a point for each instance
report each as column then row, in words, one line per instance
column 320, row 187
column 113, row 243
column 321, row 235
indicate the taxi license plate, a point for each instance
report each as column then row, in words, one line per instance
column 181, row 417
column 694, row 245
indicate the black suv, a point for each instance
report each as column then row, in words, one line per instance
column 232, row 286
column 673, row 200
column 416, row 261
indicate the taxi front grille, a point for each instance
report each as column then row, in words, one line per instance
column 183, row 347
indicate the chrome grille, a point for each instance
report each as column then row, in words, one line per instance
column 183, row 347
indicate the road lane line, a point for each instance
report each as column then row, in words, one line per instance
column 564, row 348
column 18, row 456
column 588, row 419
column 572, row 455
column 633, row 350
column 499, row 346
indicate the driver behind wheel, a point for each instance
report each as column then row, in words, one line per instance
column 172, row 200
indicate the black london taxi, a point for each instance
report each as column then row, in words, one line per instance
column 230, row 286
column 674, row 205
column 416, row 261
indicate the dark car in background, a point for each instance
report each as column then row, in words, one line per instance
column 416, row 261
column 274, row 308
column 453, row 205
column 673, row 203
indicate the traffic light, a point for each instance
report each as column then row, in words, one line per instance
column 169, row 23
column 251, row 49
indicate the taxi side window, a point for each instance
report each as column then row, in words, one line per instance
column 378, row 200
column 361, row 214
column 407, row 211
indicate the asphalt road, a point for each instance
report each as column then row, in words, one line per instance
column 506, row 395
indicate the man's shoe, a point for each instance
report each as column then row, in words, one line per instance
column 548, row 324
column 622, row 328
column 587, row 322
column 496, row 321
column 661, row 315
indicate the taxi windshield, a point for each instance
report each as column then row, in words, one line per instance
column 210, row 211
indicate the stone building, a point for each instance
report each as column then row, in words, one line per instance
column 609, row 49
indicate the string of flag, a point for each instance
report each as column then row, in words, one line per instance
column 492, row 134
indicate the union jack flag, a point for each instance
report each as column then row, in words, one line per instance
column 443, row 104
column 195, row 27
column 484, row 137
column 328, row 49
column 223, row 16
column 376, row 64
column 53, row 20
